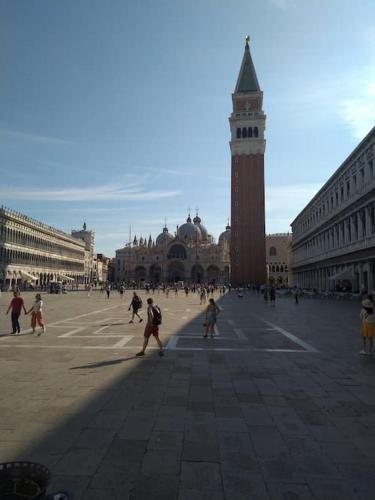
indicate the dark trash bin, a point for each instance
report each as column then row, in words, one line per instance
column 23, row 481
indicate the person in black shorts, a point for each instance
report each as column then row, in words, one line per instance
column 135, row 305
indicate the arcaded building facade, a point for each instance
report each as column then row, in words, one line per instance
column 278, row 256
column 189, row 256
column 247, row 125
column 334, row 235
column 33, row 252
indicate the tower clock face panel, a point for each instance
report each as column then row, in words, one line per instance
column 246, row 104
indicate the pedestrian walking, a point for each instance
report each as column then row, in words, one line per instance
column 135, row 305
column 16, row 305
column 211, row 316
column 37, row 314
column 122, row 290
column 203, row 295
column 108, row 290
column 89, row 288
column 367, row 326
column 273, row 295
column 296, row 293
column 154, row 319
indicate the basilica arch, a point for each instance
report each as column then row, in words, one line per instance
column 140, row 274
column 177, row 251
column 213, row 274
column 155, row 273
column 175, row 271
column 197, row 274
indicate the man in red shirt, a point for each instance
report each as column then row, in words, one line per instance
column 16, row 304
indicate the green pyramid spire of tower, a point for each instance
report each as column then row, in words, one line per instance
column 247, row 79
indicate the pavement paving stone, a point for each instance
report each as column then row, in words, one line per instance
column 124, row 451
column 161, row 462
column 72, row 484
column 267, row 441
column 188, row 494
column 174, row 424
column 117, row 477
column 330, row 489
column 244, row 486
column 289, row 491
column 198, row 451
column 256, row 415
column 99, row 494
column 79, row 461
column 157, row 487
column 167, row 441
column 201, row 475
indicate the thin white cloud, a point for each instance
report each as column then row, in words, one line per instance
column 359, row 112
column 280, row 4
column 183, row 172
column 96, row 193
column 35, row 138
column 283, row 203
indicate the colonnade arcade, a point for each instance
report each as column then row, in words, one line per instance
column 355, row 277
column 176, row 270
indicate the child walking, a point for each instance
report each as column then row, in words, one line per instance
column 367, row 326
column 36, row 314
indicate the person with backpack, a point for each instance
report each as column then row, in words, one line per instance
column 152, row 328
column 135, row 305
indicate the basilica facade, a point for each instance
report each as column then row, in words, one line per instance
column 190, row 256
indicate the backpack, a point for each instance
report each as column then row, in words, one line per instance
column 137, row 303
column 156, row 312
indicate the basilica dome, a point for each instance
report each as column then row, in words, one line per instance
column 225, row 236
column 198, row 222
column 189, row 231
column 164, row 238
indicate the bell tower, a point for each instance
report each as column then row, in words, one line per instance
column 247, row 125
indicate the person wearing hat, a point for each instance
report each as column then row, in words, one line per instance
column 367, row 326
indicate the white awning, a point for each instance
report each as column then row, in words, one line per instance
column 344, row 274
column 28, row 276
column 66, row 278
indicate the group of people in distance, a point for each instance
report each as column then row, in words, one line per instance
column 16, row 306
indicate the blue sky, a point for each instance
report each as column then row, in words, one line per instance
column 116, row 112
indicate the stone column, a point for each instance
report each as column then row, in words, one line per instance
column 354, row 235
column 359, row 224
column 368, row 220
column 370, row 276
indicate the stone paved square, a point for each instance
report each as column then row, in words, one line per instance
column 277, row 405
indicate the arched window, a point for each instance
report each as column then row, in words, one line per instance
column 250, row 132
column 244, row 132
column 177, row 252
column 281, row 269
column 273, row 269
column 256, row 132
column 238, row 133
column 273, row 252
column 277, row 269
